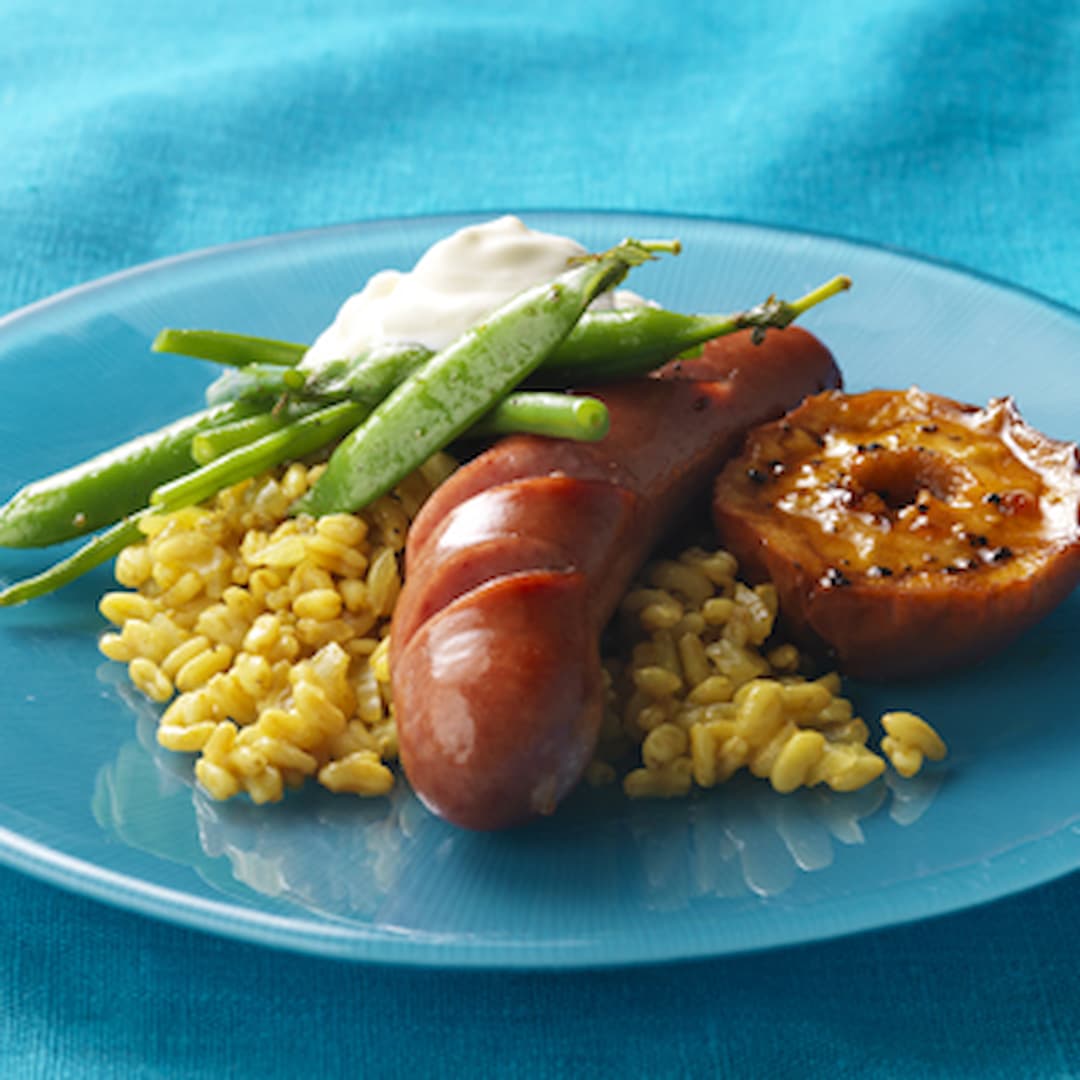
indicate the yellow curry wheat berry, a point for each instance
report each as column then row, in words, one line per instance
column 267, row 634
column 708, row 690
column 909, row 739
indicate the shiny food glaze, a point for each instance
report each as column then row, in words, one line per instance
column 911, row 485
column 906, row 532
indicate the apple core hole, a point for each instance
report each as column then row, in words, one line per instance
column 901, row 479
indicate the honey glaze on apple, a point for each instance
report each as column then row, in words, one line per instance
column 889, row 484
column 905, row 531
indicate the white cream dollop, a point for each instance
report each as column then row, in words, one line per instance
column 457, row 282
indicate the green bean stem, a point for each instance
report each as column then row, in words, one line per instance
column 235, row 350
column 458, row 385
column 538, row 412
column 777, row 314
column 627, row 342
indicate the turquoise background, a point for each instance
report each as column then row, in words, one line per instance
column 129, row 132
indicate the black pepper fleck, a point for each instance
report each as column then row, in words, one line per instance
column 833, row 578
column 1001, row 554
column 879, row 571
column 960, row 566
column 756, row 476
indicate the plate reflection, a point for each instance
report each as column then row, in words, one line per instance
column 388, row 860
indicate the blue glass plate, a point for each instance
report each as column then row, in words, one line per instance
column 90, row 803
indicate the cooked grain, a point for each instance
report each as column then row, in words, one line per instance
column 267, row 637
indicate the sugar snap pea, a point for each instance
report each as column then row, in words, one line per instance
column 453, row 389
column 97, row 492
column 302, row 437
column 635, row 340
column 532, row 412
column 307, row 434
column 400, row 403
column 602, row 346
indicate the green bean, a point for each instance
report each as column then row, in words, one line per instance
column 212, row 444
column 459, row 384
column 363, row 378
column 531, row 412
column 255, row 384
column 556, row 415
column 97, row 492
column 294, row 441
column 367, row 379
column 236, row 350
column 439, row 397
column 538, row 412
column 100, row 549
column 297, row 439
column 603, row 346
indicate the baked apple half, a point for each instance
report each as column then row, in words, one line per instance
column 906, row 533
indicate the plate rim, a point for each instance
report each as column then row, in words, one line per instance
column 233, row 920
column 167, row 262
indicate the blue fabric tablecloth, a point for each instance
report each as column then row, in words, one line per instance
column 130, row 131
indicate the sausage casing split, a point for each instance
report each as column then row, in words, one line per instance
column 516, row 563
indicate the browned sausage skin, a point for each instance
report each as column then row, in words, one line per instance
column 516, row 563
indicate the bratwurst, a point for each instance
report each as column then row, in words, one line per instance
column 517, row 562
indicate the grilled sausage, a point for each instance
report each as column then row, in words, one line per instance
column 519, row 559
